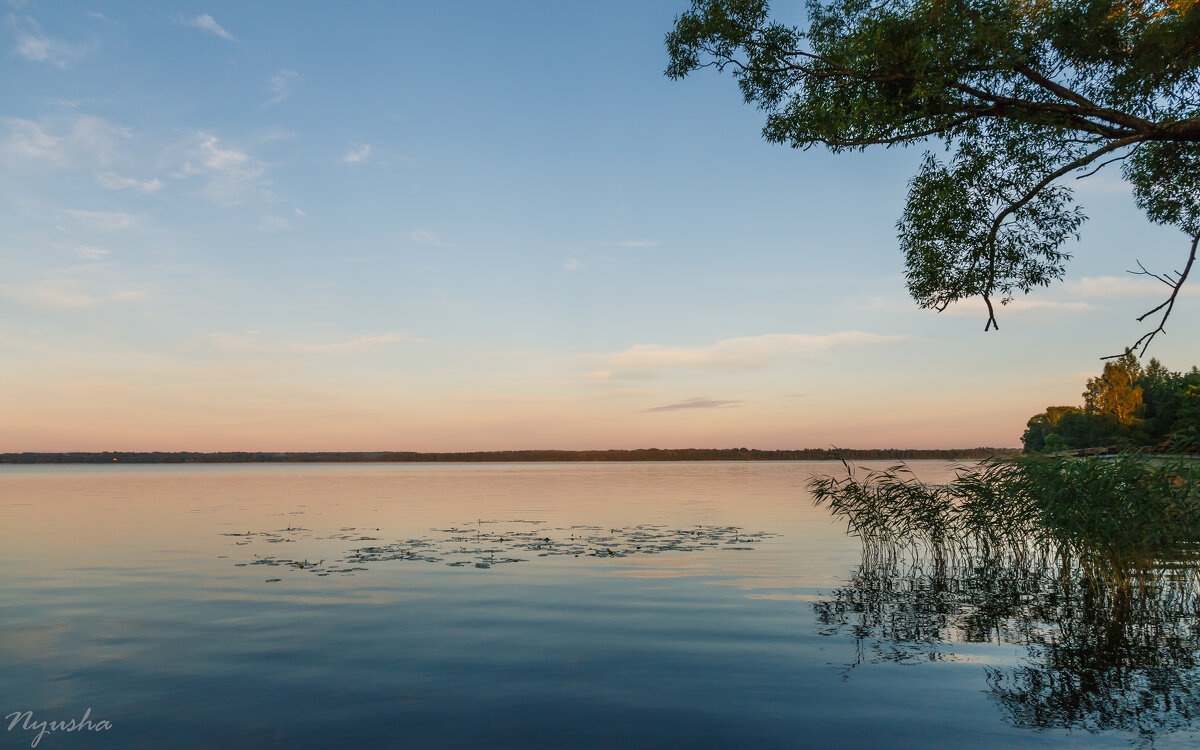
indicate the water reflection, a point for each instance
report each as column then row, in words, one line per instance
column 1105, row 644
column 119, row 591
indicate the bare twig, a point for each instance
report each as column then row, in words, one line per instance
column 1167, row 305
column 1105, row 163
column 1164, row 279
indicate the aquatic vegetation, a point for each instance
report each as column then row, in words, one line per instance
column 484, row 543
column 1089, row 564
column 1117, row 515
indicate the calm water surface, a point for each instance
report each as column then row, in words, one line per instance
column 312, row 606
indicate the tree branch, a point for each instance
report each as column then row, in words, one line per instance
column 1120, row 124
column 1167, row 305
column 1054, row 88
column 1015, row 206
column 893, row 140
column 1106, row 162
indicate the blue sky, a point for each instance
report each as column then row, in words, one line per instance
column 421, row 226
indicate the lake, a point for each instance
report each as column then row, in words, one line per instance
column 533, row 605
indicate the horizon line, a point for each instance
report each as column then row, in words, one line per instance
column 500, row 456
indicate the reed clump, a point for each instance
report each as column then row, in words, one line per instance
column 1090, row 564
column 1118, row 517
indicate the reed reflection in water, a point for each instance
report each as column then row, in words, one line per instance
column 1111, row 631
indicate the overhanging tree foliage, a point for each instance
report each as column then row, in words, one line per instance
column 1023, row 93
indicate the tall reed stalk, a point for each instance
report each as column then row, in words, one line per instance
column 1119, row 518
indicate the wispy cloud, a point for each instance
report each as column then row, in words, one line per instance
column 30, row 140
column 253, row 343
column 106, row 221
column 114, row 181
column 695, row 403
column 87, row 252
column 581, row 259
column 357, row 154
column 1086, row 295
column 273, row 224
column 63, row 293
column 117, row 158
column 50, row 294
column 232, row 176
column 75, row 140
column 974, row 308
column 33, row 44
column 1121, row 287
column 215, row 158
column 280, row 86
column 744, row 353
column 80, row 143
column 426, row 237
column 207, row 23
column 274, row 133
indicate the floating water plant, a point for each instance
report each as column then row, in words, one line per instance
column 511, row 541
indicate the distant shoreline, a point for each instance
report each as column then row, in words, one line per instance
column 523, row 456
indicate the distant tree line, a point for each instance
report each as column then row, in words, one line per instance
column 540, row 456
column 1127, row 406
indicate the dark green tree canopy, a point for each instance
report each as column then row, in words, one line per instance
column 1126, row 406
column 1022, row 93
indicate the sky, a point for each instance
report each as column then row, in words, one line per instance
column 482, row 226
